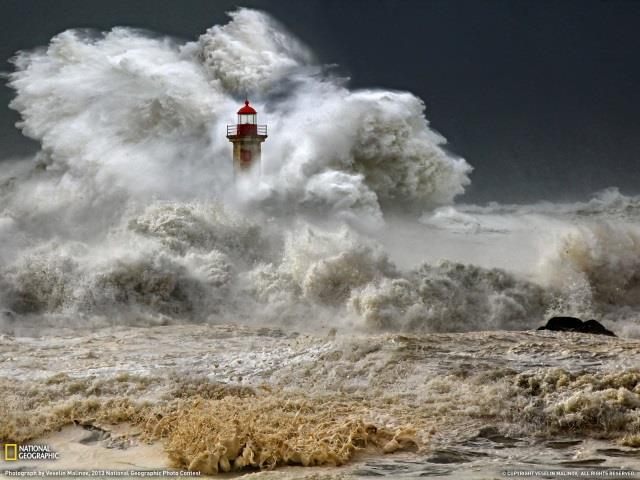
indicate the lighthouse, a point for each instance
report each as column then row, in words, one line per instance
column 247, row 137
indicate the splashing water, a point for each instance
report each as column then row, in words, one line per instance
column 129, row 212
column 129, row 216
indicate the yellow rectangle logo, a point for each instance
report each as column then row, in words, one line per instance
column 10, row 452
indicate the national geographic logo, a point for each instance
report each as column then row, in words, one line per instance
column 10, row 452
column 14, row 452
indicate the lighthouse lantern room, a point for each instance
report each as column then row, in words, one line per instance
column 247, row 137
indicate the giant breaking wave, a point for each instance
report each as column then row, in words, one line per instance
column 129, row 214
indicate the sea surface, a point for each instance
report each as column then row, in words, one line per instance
column 462, row 405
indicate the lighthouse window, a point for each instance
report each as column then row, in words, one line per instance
column 247, row 118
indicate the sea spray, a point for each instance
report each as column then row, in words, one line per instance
column 128, row 214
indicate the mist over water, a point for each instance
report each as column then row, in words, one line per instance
column 129, row 213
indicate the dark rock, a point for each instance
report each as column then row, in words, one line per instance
column 563, row 324
column 572, row 324
column 593, row 326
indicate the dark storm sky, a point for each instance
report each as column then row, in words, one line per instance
column 541, row 97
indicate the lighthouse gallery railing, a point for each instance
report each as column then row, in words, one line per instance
column 246, row 129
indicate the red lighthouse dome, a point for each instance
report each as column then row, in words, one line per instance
column 247, row 109
column 247, row 115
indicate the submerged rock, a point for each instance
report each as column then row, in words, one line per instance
column 572, row 324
